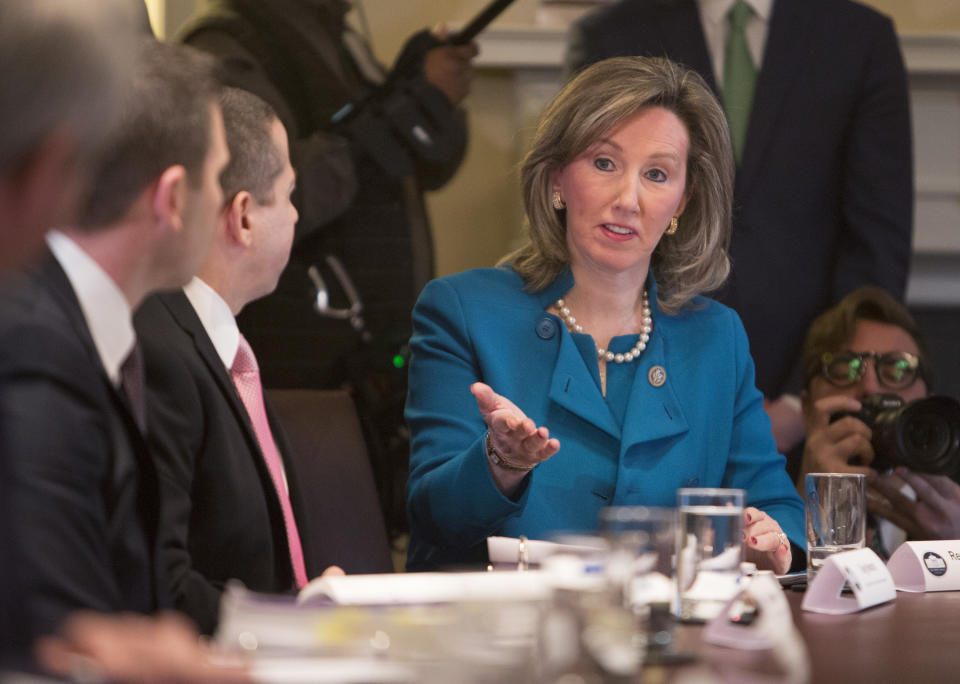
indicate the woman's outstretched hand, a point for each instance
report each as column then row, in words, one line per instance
column 513, row 435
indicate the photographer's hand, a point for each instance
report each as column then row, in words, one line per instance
column 934, row 515
column 449, row 68
column 830, row 446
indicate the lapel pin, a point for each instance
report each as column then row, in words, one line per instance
column 657, row 376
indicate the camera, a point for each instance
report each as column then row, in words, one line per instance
column 923, row 435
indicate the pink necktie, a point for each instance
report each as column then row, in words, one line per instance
column 246, row 377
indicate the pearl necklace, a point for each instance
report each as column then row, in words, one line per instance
column 603, row 354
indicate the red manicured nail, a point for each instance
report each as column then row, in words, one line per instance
column 753, row 540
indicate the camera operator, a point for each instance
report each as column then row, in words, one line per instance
column 869, row 344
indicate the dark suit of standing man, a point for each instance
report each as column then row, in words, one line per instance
column 823, row 200
column 83, row 501
column 223, row 515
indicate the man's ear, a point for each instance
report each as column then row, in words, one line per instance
column 170, row 197
column 238, row 220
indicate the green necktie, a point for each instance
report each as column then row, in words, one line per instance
column 739, row 76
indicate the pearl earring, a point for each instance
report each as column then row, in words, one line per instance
column 674, row 224
column 558, row 202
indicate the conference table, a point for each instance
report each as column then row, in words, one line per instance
column 915, row 638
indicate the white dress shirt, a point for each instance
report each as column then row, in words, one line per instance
column 217, row 319
column 716, row 26
column 104, row 307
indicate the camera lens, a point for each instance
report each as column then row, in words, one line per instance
column 928, row 435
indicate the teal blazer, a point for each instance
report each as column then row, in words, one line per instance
column 703, row 427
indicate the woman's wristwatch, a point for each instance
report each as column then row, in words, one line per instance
column 496, row 459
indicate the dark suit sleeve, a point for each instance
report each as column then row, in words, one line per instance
column 176, row 420
column 57, row 445
column 874, row 247
column 434, row 175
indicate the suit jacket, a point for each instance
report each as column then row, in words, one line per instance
column 823, row 198
column 222, row 516
column 705, row 426
column 83, row 498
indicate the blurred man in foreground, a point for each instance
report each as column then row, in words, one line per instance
column 80, row 500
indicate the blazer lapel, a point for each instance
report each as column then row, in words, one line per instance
column 574, row 388
column 54, row 278
column 571, row 385
column 185, row 316
column 653, row 413
column 785, row 52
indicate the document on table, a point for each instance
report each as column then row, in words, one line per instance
column 425, row 587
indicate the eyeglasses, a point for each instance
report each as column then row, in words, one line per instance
column 895, row 370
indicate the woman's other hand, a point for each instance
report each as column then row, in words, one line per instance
column 767, row 545
column 513, row 435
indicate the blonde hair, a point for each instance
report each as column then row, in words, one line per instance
column 597, row 100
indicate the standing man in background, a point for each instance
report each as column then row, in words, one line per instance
column 816, row 97
column 365, row 144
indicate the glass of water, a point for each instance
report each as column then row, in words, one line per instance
column 836, row 506
column 708, row 550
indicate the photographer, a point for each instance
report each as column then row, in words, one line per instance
column 869, row 344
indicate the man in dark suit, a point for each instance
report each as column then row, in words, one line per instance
column 83, row 500
column 52, row 120
column 225, row 502
column 361, row 181
column 823, row 200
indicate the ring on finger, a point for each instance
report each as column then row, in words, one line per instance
column 782, row 538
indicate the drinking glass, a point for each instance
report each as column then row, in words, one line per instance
column 709, row 550
column 836, row 506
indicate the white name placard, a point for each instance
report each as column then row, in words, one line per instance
column 926, row 566
column 769, row 623
column 861, row 571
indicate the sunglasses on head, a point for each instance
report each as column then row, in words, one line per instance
column 894, row 370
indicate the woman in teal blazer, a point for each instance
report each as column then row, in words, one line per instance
column 651, row 389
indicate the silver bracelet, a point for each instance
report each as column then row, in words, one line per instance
column 496, row 459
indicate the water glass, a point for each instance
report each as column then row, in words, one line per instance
column 836, row 506
column 709, row 550
column 640, row 542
